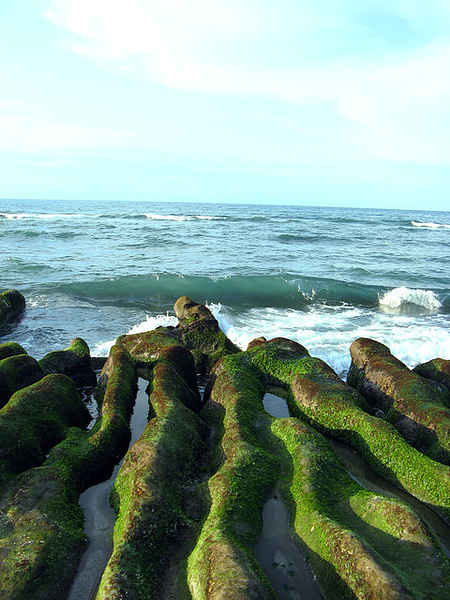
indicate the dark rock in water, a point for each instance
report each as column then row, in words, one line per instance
column 17, row 372
column 98, row 362
column 437, row 370
column 12, row 305
column 11, row 349
column 200, row 332
column 74, row 361
column 417, row 407
column 36, row 418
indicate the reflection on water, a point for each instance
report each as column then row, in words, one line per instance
column 99, row 517
column 275, row 406
column 281, row 559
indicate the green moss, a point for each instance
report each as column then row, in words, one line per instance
column 74, row 361
column 163, row 344
column 42, row 519
column 36, row 418
column 437, row 370
column 12, row 305
column 16, row 372
column 150, row 489
column 223, row 557
column 11, row 349
column 360, row 544
column 417, row 407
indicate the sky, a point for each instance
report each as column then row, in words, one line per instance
column 309, row 102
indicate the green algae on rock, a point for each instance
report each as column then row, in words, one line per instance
column 149, row 494
column 36, row 418
column 437, row 370
column 17, row 371
column 200, row 332
column 417, row 407
column 11, row 349
column 74, row 361
column 12, row 305
column 360, row 544
column 162, row 345
column 222, row 564
column 42, row 523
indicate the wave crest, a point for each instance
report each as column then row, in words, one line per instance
column 430, row 225
column 400, row 296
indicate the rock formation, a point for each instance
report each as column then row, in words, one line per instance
column 190, row 492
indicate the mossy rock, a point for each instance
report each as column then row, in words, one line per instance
column 11, row 349
column 360, row 544
column 42, row 522
column 12, row 306
column 222, row 564
column 437, row 370
column 161, row 345
column 36, row 418
column 200, row 332
column 150, row 490
column 16, row 372
column 74, row 361
column 417, row 407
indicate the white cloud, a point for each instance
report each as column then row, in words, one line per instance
column 24, row 129
column 334, row 53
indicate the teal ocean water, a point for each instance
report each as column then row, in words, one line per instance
column 320, row 276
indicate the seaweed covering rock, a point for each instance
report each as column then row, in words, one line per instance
column 12, row 305
column 42, row 523
column 417, row 407
column 199, row 331
column 74, row 361
column 16, row 372
column 437, row 370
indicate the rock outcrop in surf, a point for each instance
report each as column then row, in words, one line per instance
column 12, row 306
column 190, row 492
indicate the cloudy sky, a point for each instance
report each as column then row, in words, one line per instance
column 324, row 102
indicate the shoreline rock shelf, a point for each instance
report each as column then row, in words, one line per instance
column 190, row 493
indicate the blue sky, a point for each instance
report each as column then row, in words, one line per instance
column 339, row 103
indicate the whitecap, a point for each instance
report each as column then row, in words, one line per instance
column 403, row 295
column 430, row 225
column 155, row 217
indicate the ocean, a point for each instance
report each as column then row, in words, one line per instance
column 320, row 276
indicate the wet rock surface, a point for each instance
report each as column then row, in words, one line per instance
column 196, row 514
column 416, row 406
column 12, row 306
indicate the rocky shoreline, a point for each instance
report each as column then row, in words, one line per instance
column 190, row 493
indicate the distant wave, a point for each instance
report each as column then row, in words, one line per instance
column 47, row 216
column 156, row 217
column 400, row 296
column 430, row 225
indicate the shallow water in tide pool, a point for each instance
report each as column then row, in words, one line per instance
column 276, row 552
column 100, row 517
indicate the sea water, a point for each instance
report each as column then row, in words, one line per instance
column 320, row 276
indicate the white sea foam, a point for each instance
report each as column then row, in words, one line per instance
column 46, row 216
column 328, row 332
column 430, row 225
column 151, row 323
column 155, row 217
column 148, row 324
column 403, row 295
